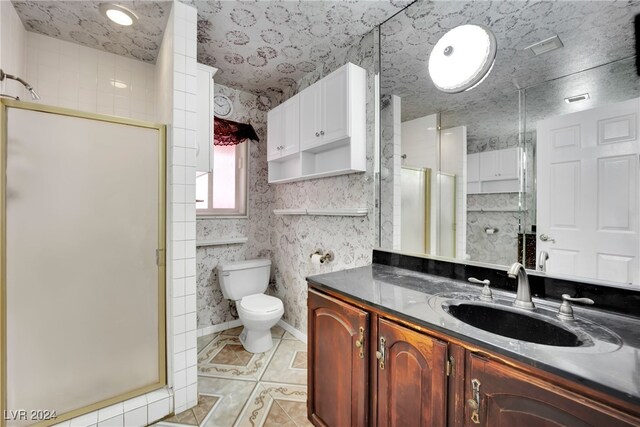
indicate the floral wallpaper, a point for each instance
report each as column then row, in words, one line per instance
column 268, row 46
column 351, row 239
column 289, row 240
column 601, row 28
column 82, row 22
column 213, row 309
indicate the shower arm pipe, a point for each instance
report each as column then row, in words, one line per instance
column 30, row 88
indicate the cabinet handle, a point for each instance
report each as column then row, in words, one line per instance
column 317, row 133
column 381, row 353
column 360, row 343
column 475, row 402
column 321, row 132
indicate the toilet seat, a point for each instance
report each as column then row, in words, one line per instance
column 261, row 303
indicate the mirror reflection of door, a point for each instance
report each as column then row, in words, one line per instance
column 587, row 205
column 433, row 188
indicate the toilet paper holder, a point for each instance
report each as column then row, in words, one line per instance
column 328, row 257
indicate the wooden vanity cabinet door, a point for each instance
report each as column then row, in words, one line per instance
column 412, row 387
column 511, row 398
column 338, row 380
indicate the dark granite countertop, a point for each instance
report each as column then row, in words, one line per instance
column 610, row 362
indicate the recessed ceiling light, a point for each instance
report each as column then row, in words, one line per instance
column 544, row 46
column 462, row 58
column 118, row 84
column 576, row 98
column 118, row 14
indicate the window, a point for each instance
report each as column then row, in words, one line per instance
column 223, row 192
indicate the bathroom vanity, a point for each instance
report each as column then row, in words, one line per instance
column 387, row 346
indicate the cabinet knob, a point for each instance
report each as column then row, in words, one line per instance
column 317, row 133
column 321, row 132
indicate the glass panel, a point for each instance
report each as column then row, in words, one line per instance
column 224, row 177
column 82, row 280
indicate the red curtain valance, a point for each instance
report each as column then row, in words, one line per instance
column 227, row 132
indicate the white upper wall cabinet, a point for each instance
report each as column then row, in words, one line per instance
column 496, row 171
column 283, row 131
column 204, row 136
column 327, row 137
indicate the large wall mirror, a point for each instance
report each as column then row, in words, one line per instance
column 539, row 163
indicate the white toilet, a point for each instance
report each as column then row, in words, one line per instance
column 244, row 282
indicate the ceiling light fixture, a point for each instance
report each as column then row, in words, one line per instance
column 118, row 14
column 462, row 58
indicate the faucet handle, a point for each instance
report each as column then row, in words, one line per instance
column 486, row 295
column 566, row 311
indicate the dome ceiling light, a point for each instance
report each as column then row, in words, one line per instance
column 118, row 14
column 462, row 58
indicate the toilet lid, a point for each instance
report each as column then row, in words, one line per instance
column 261, row 303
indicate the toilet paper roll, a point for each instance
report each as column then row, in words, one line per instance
column 316, row 259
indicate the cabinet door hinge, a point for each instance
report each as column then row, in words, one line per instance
column 450, row 366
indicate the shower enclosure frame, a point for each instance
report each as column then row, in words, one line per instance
column 5, row 104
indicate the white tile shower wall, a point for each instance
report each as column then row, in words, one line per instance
column 69, row 75
column 183, row 209
column 12, row 49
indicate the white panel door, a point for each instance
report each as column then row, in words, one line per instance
column 588, row 192
column 275, row 132
column 335, row 106
column 310, row 116
column 291, row 127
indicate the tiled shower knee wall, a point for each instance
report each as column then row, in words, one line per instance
column 182, row 252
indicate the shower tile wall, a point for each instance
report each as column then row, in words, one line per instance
column 51, row 67
column 69, row 75
column 213, row 309
column 12, row 47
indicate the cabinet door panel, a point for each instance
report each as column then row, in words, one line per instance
column 511, row 398
column 335, row 106
column 412, row 387
column 275, row 126
column 509, row 163
column 337, row 375
column 291, row 140
column 489, row 164
column 310, row 116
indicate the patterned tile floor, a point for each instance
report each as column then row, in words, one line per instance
column 238, row 388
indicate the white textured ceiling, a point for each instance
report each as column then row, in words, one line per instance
column 593, row 33
column 81, row 22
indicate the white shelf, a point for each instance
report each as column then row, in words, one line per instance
column 315, row 175
column 323, row 212
column 220, row 242
column 495, row 210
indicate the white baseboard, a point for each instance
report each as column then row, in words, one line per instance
column 293, row 331
column 219, row 328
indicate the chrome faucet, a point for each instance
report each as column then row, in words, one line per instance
column 523, row 297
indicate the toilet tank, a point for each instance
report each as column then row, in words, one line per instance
column 241, row 278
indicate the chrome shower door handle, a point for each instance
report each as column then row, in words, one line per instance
column 546, row 238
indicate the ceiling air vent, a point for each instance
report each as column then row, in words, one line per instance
column 576, row 98
column 545, row 46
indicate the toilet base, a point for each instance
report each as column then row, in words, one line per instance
column 256, row 341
